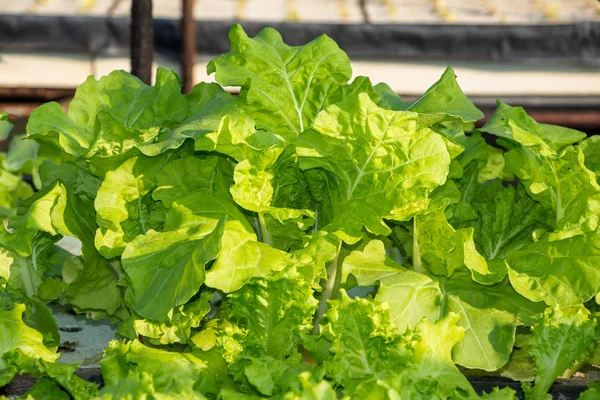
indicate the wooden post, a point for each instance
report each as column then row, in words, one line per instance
column 188, row 45
column 142, row 39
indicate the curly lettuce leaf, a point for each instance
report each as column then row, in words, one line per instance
column 364, row 346
column 273, row 313
column 564, row 335
column 180, row 375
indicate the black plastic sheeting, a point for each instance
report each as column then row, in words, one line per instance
column 573, row 43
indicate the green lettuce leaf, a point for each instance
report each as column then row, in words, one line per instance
column 122, row 96
column 513, row 123
column 432, row 373
column 181, row 321
column 63, row 375
column 363, row 344
column 282, row 87
column 565, row 335
column 489, row 314
column 243, row 258
column 377, row 164
column 124, row 204
column 16, row 335
column 6, row 125
column 591, row 151
column 442, row 257
column 170, row 263
column 443, row 100
column 273, row 313
column 561, row 272
column 181, row 375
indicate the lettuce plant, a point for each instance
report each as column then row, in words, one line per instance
column 230, row 237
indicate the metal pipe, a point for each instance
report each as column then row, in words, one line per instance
column 142, row 39
column 188, row 45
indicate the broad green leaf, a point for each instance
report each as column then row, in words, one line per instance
column 503, row 218
column 49, row 124
column 513, row 123
column 562, row 272
column 319, row 248
column 282, row 87
column 16, row 335
column 92, row 285
column 489, row 314
column 593, row 392
column 126, row 99
column 388, row 99
column 74, row 176
column 520, row 366
column 211, row 109
column 242, row 142
column 445, row 99
column 201, row 211
column 34, row 276
column 243, row 258
column 169, row 263
column 6, row 125
column 411, row 296
column 591, row 151
column 12, row 191
column 444, row 257
column 377, row 164
column 506, row 218
column 211, row 174
column 181, row 320
column 564, row 336
column 370, row 264
column 116, row 141
column 33, row 216
column 21, row 156
column 563, row 184
column 489, row 335
column 124, row 204
column 45, row 388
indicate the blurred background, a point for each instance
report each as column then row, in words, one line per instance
column 541, row 54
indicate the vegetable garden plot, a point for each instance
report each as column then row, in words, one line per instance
column 279, row 202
